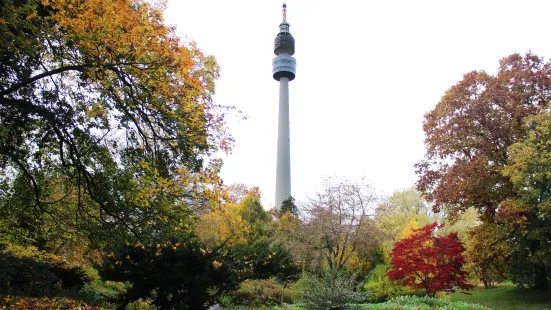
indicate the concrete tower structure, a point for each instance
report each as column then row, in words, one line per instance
column 283, row 69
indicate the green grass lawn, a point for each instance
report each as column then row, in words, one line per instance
column 504, row 297
column 507, row 297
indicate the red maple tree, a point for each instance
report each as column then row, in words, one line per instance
column 426, row 260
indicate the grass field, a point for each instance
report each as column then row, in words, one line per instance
column 506, row 297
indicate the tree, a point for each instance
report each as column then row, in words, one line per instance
column 395, row 212
column 468, row 140
column 288, row 205
column 529, row 215
column 407, row 201
column 470, row 129
column 107, row 122
column 246, row 235
column 428, row 261
column 488, row 253
column 237, row 191
column 336, row 216
column 290, row 233
column 222, row 226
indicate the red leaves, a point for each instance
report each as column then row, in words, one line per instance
column 428, row 261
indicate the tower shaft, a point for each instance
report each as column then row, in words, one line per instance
column 284, row 71
column 283, row 170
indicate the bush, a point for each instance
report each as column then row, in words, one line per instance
column 333, row 290
column 99, row 292
column 29, row 272
column 384, row 290
column 141, row 304
column 414, row 302
column 263, row 259
column 381, row 288
column 44, row 303
column 262, row 293
column 180, row 275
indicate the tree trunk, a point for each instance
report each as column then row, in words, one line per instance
column 540, row 276
column 427, row 292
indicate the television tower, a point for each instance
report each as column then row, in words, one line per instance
column 283, row 69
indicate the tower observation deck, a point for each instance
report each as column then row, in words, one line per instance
column 283, row 70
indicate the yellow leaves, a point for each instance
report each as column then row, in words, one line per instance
column 221, row 225
column 32, row 15
column 171, row 80
column 216, row 264
column 408, row 231
column 97, row 111
column 144, row 165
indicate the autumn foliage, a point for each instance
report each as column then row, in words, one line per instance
column 486, row 149
column 427, row 261
column 183, row 275
column 120, row 115
column 45, row 303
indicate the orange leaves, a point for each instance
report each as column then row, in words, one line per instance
column 216, row 264
column 131, row 36
column 133, row 113
column 44, row 303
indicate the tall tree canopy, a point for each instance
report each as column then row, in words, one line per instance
column 470, row 129
column 528, row 215
column 106, row 120
column 478, row 154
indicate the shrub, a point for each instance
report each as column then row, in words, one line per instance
column 263, row 259
column 426, row 260
column 333, row 290
column 298, row 287
column 262, row 293
column 141, row 304
column 414, row 302
column 384, row 290
column 381, row 288
column 99, row 292
column 30, row 272
column 179, row 275
column 44, row 303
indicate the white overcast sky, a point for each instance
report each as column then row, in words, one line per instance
column 367, row 71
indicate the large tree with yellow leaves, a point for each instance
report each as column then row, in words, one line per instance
column 106, row 121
